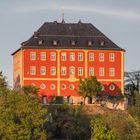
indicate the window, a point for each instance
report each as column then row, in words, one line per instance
column 101, row 72
column 72, row 71
column 72, row 87
column 33, row 56
column 52, row 86
column 112, row 71
column 102, row 43
column 44, row 100
column 53, row 56
column 32, row 70
column 91, row 56
column 53, row 70
column 43, row 56
column 101, row 57
column 43, row 70
column 112, row 87
column 91, row 71
column 89, row 43
column 80, row 71
column 63, row 70
column 55, row 42
column 80, row 56
column 42, row 86
column 40, row 42
column 72, row 56
column 63, row 87
column 73, row 43
column 63, row 56
column 111, row 57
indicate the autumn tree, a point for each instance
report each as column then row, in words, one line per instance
column 89, row 87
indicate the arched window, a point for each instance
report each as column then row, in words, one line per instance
column 112, row 87
column 42, row 86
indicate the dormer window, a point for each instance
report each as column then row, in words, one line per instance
column 36, row 34
column 55, row 42
column 40, row 42
column 73, row 43
column 90, row 43
column 102, row 43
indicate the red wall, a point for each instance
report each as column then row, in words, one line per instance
column 48, row 63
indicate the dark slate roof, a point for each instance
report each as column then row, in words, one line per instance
column 64, row 33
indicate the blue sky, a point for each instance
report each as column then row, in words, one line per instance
column 118, row 19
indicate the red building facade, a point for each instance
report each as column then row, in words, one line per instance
column 59, row 54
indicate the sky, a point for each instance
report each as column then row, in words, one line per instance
column 117, row 19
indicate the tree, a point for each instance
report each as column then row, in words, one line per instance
column 68, row 123
column 89, row 87
column 22, row 117
column 101, row 131
column 3, row 83
column 30, row 90
column 133, row 78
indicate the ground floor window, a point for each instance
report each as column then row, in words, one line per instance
column 44, row 100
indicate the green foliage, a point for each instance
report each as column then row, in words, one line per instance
column 134, row 110
column 58, row 100
column 3, row 83
column 89, row 87
column 124, row 126
column 68, row 123
column 21, row 117
column 30, row 90
column 101, row 131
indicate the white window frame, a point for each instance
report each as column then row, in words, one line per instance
column 32, row 70
column 80, row 71
column 112, row 72
column 32, row 55
column 91, row 71
column 91, row 56
column 101, row 57
column 112, row 87
column 43, row 56
column 53, row 56
column 72, row 56
column 80, row 56
column 101, row 71
column 72, row 70
column 63, row 71
column 42, row 68
column 111, row 57
column 63, row 56
column 53, row 70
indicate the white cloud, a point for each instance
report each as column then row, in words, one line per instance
column 95, row 9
